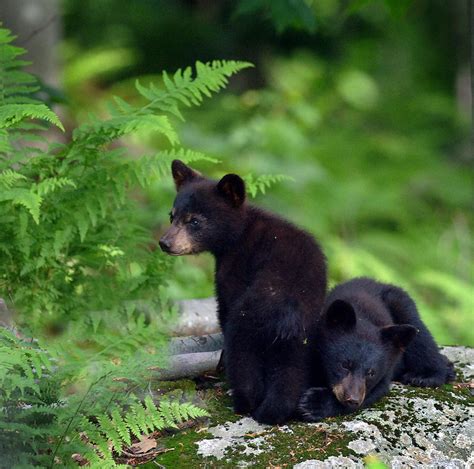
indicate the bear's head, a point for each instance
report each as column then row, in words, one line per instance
column 356, row 354
column 207, row 215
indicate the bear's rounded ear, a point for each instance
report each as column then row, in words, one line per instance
column 232, row 187
column 183, row 174
column 399, row 336
column 341, row 314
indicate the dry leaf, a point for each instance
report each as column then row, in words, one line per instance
column 144, row 445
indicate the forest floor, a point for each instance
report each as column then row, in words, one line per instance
column 411, row 427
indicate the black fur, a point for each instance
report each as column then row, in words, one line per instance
column 270, row 286
column 370, row 333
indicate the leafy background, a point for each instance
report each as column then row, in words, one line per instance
column 356, row 102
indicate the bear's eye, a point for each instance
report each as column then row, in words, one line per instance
column 346, row 365
column 370, row 372
column 194, row 222
column 171, row 217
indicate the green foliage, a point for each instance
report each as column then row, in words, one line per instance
column 378, row 172
column 284, row 14
column 16, row 86
column 116, row 429
column 85, row 240
column 261, row 183
column 185, row 90
column 28, row 399
column 41, row 428
column 81, row 272
column 373, row 462
column 396, row 7
column 22, row 364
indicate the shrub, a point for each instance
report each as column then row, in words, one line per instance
column 78, row 269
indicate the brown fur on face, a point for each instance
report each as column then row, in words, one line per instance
column 178, row 241
column 350, row 390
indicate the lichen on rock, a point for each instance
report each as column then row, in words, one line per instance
column 411, row 427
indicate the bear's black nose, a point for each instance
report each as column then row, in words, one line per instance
column 352, row 402
column 164, row 245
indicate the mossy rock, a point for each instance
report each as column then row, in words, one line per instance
column 411, row 427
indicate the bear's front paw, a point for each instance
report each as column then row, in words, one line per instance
column 247, row 397
column 274, row 411
column 316, row 404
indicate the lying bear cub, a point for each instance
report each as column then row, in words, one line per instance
column 370, row 334
column 270, row 287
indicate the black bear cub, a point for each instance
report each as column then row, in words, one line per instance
column 369, row 334
column 270, row 285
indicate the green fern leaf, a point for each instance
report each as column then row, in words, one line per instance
column 11, row 114
column 51, row 184
column 132, row 424
column 121, row 426
column 107, row 427
column 101, row 132
column 185, row 90
column 82, row 222
column 24, row 197
column 263, row 182
column 8, row 178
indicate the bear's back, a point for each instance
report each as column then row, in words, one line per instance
column 287, row 261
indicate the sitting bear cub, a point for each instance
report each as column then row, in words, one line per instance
column 369, row 334
column 270, row 286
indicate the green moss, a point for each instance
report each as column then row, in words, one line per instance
column 283, row 446
column 186, row 385
column 288, row 446
column 181, row 449
column 445, row 394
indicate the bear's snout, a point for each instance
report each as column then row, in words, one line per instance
column 165, row 244
column 350, row 392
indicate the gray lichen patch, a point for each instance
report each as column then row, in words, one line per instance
column 242, row 434
column 463, row 358
column 414, row 431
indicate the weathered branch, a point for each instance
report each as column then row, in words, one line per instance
column 188, row 365
column 193, row 344
column 199, row 353
column 197, row 317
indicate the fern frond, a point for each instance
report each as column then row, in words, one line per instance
column 21, row 364
column 5, row 145
column 156, row 167
column 263, row 182
column 107, row 427
column 49, row 185
column 184, row 89
column 98, row 132
column 11, row 114
column 24, row 197
column 121, row 426
column 15, row 84
column 86, row 242
column 8, row 178
column 141, row 418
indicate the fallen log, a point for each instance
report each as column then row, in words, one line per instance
column 193, row 344
column 187, row 365
column 197, row 317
